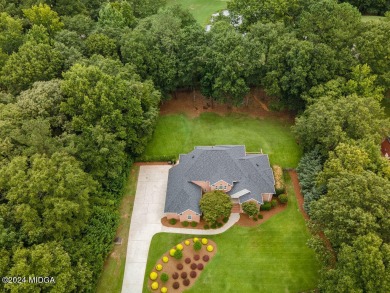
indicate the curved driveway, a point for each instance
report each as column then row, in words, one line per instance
column 146, row 221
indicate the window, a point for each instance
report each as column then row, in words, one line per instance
column 189, row 217
column 224, row 187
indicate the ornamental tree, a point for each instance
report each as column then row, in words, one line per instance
column 214, row 205
column 250, row 208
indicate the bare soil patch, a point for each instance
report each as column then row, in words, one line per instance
column 182, row 267
column 193, row 103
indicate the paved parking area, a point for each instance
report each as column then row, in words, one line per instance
column 145, row 222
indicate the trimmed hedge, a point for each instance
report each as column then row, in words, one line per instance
column 194, row 224
column 206, row 258
column 164, row 277
column 193, row 266
column 200, row 266
column 183, row 275
column 172, row 221
column 266, row 206
column 179, row 266
column 186, row 282
column 185, row 223
column 193, row 274
column 196, row 257
column 187, row 260
column 176, row 285
column 175, row 275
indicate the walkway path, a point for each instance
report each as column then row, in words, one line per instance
column 146, row 221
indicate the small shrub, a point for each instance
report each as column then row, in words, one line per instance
column 164, row 277
column 179, row 266
column 178, row 254
column 206, row 258
column 200, row 266
column 213, row 226
column 153, row 276
column 206, row 227
column 165, row 259
column 176, row 285
column 172, row 221
column 195, row 239
column 255, row 219
column 175, row 275
column 260, row 216
column 164, row 290
column 283, row 198
column 274, row 203
column 186, row 282
column 154, row 285
column 194, row 224
column 187, row 242
column 210, row 248
column 185, row 223
column 179, row 246
column 187, row 260
column 225, row 219
column 196, row 257
column 159, row 267
column 183, row 275
column 197, row 246
column 193, row 266
column 266, row 206
column 219, row 225
column 193, row 274
column 172, row 252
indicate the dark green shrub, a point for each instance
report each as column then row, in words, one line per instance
column 225, row 219
column 283, row 198
column 250, row 208
column 178, row 254
column 194, row 224
column 206, row 227
column 213, row 226
column 185, row 223
column 219, row 225
column 172, row 221
column 260, row 216
column 254, row 219
column 266, row 206
column 274, row 203
column 197, row 246
column 164, row 277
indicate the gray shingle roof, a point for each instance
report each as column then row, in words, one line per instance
column 214, row 163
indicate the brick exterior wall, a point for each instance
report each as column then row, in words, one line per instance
column 194, row 217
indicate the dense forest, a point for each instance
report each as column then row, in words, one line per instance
column 81, row 83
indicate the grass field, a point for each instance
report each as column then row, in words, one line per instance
column 112, row 275
column 178, row 134
column 201, row 9
column 272, row 257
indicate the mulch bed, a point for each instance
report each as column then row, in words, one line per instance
column 248, row 222
column 297, row 189
column 183, row 102
column 200, row 226
column 171, row 267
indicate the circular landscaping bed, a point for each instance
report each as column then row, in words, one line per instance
column 180, row 267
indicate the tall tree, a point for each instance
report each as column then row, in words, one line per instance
column 33, row 62
column 11, row 33
column 42, row 14
column 363, row 266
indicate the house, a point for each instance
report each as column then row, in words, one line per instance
column 244, row 177
column 385, row 148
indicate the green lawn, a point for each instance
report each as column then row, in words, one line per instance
column 178, row 134
column 114, row 267
column 201, row 9
column 272, row 257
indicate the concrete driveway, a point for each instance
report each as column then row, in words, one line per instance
column 145, row 222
